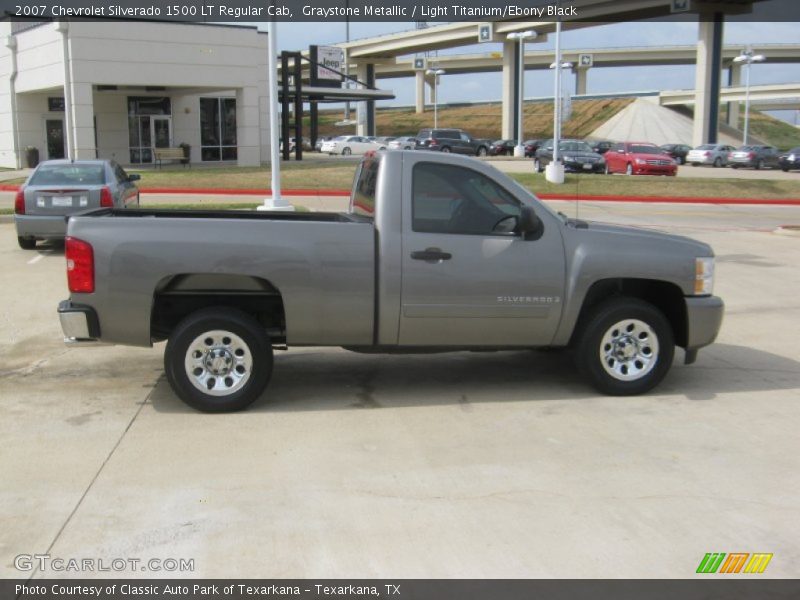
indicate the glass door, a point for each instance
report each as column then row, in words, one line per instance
column 55, row 138
column 162, row 131
column 140, row 139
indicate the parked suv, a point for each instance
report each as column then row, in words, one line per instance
column 790, row 160
column 451, row 140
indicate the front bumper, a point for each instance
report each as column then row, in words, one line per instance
column 587, row 167
column 78, row 322
column 655, row 169
column 703, row 322
column 49, row 227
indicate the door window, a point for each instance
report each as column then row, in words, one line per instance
column 455, row 200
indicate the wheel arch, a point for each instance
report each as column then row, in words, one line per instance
column 177, row 296
column 664, row 295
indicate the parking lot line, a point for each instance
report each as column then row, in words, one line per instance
column 35, row 259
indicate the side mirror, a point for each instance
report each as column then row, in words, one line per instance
column 134, row 177
column 529, row 225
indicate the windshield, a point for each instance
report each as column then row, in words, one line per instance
column 69, row 174
column 574, row 147
column 645, row 149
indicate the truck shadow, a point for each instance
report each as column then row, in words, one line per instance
column 317, row 379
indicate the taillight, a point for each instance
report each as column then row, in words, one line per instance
column 106, row 201
column 80, row 265
column 19, row 202
column 707, row 153
column 434, row 141
column 752, row 155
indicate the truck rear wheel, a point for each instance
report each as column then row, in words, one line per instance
column 26, row 243
column 626, row 347
column 218, row 360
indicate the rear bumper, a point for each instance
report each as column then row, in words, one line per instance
column 703, row 322
column 78, row 322
column 50, row 226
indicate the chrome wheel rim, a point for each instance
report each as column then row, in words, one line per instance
column 629, row 350
column 218, row 363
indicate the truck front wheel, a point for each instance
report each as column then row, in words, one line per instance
column 626, row 347
column 218, row 360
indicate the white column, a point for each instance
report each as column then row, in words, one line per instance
column 82, row 121
column 420, row 89
column 247, row 127
column 509, row 90
column 361, row 75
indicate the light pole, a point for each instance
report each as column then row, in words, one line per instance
column 521, row 36
column 748, row 58
column 435, row 73
column 554, row 172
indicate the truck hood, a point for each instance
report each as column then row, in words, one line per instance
column 644, row 237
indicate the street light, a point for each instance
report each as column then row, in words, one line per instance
column 521, row 36
column 748, row 58
column 435, row 73
column 557, row 171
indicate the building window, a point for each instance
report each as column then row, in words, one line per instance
column 217, row 129
column 55, row 104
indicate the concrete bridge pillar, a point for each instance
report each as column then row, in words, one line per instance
column 734, row 80
column 511, row 112
column 365, row 73
column 580, row 80
column 420, row 88
column 707, row 81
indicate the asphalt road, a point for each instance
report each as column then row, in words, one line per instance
column 453, row 465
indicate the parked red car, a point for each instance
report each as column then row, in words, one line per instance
column 639, row 158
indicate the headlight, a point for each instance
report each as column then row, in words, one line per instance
column 569, row 159
column 792, row 157
column 704, row 276
column 641, row 161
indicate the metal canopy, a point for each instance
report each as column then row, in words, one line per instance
column 334, row 94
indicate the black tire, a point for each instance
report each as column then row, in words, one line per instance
column 734, row 166
column 346, row 152
column 592, row 343
column 717, row 162
column 482, row 151
column 26, row 243
column 445, row 149
column 785, row 169
column 695, row 164
column 216, row 322
column 681, row 160
column 759, row 165
column 537, row 165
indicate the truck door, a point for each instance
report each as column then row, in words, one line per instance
column 467, row 278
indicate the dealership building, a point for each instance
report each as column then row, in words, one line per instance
column 119, row 90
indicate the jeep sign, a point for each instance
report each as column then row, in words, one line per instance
column 330, row 57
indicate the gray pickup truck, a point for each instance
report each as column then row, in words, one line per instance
column 437, row 253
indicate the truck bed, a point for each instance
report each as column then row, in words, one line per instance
column 167, row 213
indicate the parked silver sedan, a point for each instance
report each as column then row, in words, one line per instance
column 709, row 154
column 58, row 188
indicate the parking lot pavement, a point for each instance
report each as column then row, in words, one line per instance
column 454, row 465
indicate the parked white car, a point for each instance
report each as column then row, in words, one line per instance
column 709, row 154
column 350, row 144
column 403, row 143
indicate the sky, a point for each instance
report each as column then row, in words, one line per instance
column 487, row 86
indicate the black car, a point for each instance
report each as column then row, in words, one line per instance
column 677, row 151
column 531, row 146
column 451, row 140
column 502, row 148
column 576, row 155
column 790, row 160
column 602, row 147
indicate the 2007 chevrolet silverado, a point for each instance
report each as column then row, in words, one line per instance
column 438, row 252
